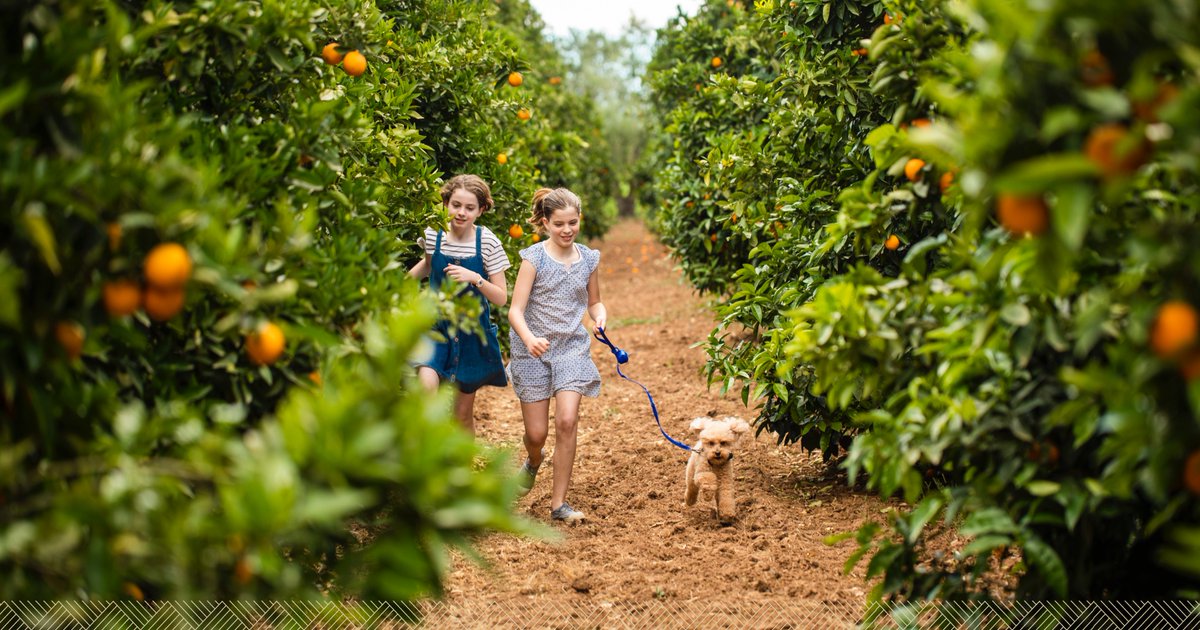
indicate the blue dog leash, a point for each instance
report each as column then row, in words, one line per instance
column 623, row 357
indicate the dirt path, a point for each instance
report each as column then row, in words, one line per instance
column 640, row 544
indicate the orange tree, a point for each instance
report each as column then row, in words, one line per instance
column 1002, row 298
column 1036, row 357
column 765, row 151
column 559, row 129
column 206, row 322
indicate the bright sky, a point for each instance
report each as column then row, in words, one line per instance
column 608, row 16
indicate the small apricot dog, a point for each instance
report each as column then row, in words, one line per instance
column 710, row 467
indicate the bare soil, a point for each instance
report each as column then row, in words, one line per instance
column 639, row 543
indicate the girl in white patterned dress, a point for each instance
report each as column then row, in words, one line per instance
column 557, row 282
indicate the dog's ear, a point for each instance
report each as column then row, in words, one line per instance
column 738, row 426
column 698, row 424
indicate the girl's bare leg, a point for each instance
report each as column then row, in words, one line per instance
column 566, row 420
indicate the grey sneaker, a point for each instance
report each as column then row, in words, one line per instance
column 527, row 475
column 566, row 514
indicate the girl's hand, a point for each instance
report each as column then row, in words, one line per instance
column 462, row 274
column 538, row 346
column 601, row 322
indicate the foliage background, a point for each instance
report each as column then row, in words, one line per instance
column 159, row 461
column 1003, row 386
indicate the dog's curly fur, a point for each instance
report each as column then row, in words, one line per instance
column 710, row 466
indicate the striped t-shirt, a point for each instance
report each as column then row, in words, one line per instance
column 494, row 258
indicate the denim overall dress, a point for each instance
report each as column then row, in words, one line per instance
column 467, row 359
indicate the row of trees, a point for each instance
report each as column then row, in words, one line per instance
column 205, row 323
column 957, row 238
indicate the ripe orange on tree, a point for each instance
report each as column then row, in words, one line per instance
column 888, row 19
column 122, row 297
column 162, row 303
column 265, row 344
column 1174, row 329
column 502, row 158
column 912, row 169
column 70, row 336
column 892, row 242
column 946, row 180
column 716, row 62
column 1147, row 110
column 114, row 235
column 1094, row 69
column 1191, row 472
column 331, row 55
column 555, row 80
column 515, row 231
column 535, row 237
column 167, row 265
column 859, row 52
column 1112, row 148
column 523, row 114
column 1022, row 214
column 515, row 79
column 354, row 63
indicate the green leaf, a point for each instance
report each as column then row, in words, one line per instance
column 1071, row 213
column 1044, row 172
column 1045, row 560
column 43, row 237
column 1042, row 488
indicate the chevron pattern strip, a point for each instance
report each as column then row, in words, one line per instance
column 653, row 614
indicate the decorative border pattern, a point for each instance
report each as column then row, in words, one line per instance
column 652, row 614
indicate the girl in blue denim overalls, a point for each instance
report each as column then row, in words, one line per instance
column 473, row 256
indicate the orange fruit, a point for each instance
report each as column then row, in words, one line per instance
column 315, row 377
column 264, row 345
column 912, row 169
column 331, row 55
column 122, row 297
column 242, row 571
column 1111, row 148
column 515, row 231
column 859, row 52
column 555, row 80
column 167, row 265
column 1045, row 451
column 921, row 122
column 523, row 114
column 716, row 62
column 354, row 63
column 1191, row 472
column 1094, row 69
column 515, row 79
column 892, row 242
column 946, row 180
column 535, row 237
column 888, row 19
column 114, row 235
column 1147, row 110
column 1022, row 214
column 502, row 158
column 70, row 336
column 133, row 590
column 162, row 304
column 1174, row 329
column 690, row 204
column 712, row 237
